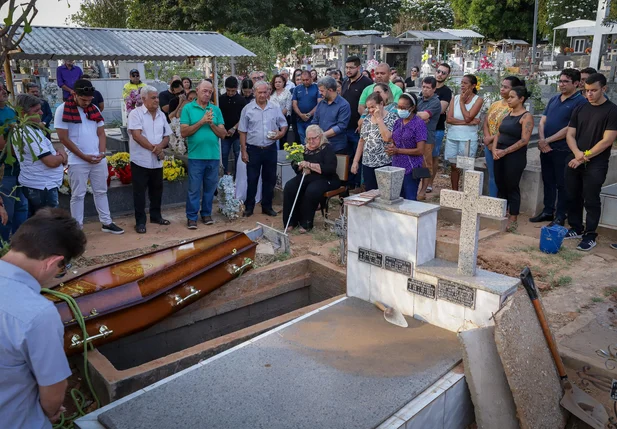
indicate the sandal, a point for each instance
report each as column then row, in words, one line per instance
column 421, row 197
column 161, row 221
column 429, row 189
column 512, row 227
column 140, row 229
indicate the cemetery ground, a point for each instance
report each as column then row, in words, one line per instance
column 578, row 289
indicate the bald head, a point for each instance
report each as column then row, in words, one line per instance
column 382, row 73
column 204, row 92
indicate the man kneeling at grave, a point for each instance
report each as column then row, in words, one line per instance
column 319, row 170
column 33, row 365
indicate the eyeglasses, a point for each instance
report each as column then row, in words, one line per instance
column 63, row 269
column 313, row 138
column 564, row 81
column 441, row 72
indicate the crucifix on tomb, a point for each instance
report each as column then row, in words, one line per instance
column 472, row 204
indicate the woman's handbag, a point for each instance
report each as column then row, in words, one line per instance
column 420, row 173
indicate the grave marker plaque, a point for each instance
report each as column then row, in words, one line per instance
column 370, row 257
column 456, row 293
column 398, row 265
column 426, row 290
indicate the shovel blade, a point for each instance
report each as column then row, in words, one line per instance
column 583, row 406
column 395, row 317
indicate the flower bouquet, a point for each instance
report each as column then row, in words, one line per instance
column 229, row 205
column 121, row 163
column 295, row 152
column 173, row 169
column 132, row 101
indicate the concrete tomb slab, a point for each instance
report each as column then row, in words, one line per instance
column 490, row 393
column 528, row 365
column 341, row 367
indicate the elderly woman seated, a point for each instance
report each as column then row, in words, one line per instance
column 319, row 167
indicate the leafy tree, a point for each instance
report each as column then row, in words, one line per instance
column 425, row 15
column 496, row 19
column 558, row 12
column 304, row 43
column 264, row 59
column 102, row 13
column 363, row 14
column 17, row 15
column 282, row 39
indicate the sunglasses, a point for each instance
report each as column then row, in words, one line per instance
column 135, row 75
column 63, row 269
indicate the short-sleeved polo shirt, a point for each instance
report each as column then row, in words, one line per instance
column 558, row 114
column 307, row 97
column 33, row 172
column 31, row 348
column 204, row 144
column 396, row 93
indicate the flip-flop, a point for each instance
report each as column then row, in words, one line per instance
column 429, row 189
column 140, row 229
column 161, row 222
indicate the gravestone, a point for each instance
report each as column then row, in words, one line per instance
column 466, row 162
column 472, row 204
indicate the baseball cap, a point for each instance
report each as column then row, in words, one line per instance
column 134, row 71
column 84, row 87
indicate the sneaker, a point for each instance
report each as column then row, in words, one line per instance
column 586, row 244
column 614, row 246
column 572, row 234
column 191, row 224
column 207, row 220
column 112, row 228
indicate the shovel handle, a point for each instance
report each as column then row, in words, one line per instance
column 380, row 306
column 530, row 286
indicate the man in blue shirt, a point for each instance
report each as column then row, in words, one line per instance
column 332, row 115
column 33, row 364
column 16, row 205
column 66, row 76
column 553, row 146
column 304, row 102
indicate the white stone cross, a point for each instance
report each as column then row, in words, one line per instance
column 466, row 162
column 472, row 204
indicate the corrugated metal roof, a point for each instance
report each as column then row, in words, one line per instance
column 428, row 35
column 123, row 44
column 350, row 33
column 510, row 42
column 463, row 33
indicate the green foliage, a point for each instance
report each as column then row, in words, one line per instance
column 496, row 19
column 558, row 12
column 611, row 16
column 102, row 13
column 20, row 135
column 260, row 46
column 426, row 14
column 4, row 248
column 304, row 42
column 282, row 39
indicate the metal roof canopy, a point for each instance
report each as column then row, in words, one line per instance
column 368, row 40
column 428, row 35
column 123, row 44
column 510, row 42
column 352, row 33
column 463, row 33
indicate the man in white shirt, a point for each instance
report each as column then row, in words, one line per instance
column 42, row 168
column 149, row 135
column 289, row 85
column 79, row 125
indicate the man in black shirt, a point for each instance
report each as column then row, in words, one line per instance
column 231, row 105
column 166, row 96
column 591, row 133
column 351, row 91
column 445, row 96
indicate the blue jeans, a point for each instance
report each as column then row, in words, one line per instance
column 302, row 126
column 39, row 198
column 203, row 178
column 352, row 145
column 409, row 191
column 227, row 145
column 490, row 167
column 16, row 210
column 438, row 142
column 261, row 161
column 554, row 164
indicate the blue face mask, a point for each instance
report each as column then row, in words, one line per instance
column 403, row 114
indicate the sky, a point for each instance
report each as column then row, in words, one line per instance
column 52, row 12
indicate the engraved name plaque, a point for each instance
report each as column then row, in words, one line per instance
column 421, row 288
column 398, row 265
column 370, row 257
column 456, row 293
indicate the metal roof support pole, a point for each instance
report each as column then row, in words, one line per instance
column 535, row 31
column 553, row 50
column 232, row 62
column 9, row 77
column 216, row 80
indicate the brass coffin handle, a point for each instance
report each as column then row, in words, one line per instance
column 233, row 269
column 104, row 332
column 192, row 292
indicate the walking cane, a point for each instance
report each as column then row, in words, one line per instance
column 294, row 204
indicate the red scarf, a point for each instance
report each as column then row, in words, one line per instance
column 71, row 114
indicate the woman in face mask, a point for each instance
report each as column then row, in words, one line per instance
column 409, row 135
column 375, row 133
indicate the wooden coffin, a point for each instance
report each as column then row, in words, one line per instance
column 125, row 297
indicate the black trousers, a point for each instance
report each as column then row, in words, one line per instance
column 261, row 162
column 313, row 188
column 508, row 173
column 554, row 165
column 152, row 180
column 584, row 185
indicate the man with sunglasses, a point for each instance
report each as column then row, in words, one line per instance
column 135, row 83
column 66, row 76
column 80, row 128
column 445, row 96
column 33, row 364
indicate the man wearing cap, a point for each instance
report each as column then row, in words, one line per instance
column 66, row 75
column 16, row 208
column 231, row 104
column 80, row 128
column 134, row 84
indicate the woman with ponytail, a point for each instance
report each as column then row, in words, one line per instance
column 510, row 152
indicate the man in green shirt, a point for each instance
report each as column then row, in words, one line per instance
column 201, row 124
column 382, row 75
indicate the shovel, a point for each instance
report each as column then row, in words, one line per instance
column 392, row 315
column 574, row 399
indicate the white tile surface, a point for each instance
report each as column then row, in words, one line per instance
column 486, row 305
column 459, row 412
column 394, row 234
column 426, row 278
column 358, row 227
column 390, row 288
column 392, row 423
column 427, row 237
column 448, row 316
column 423, row 308
column 358, row 277
column 430, row 417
